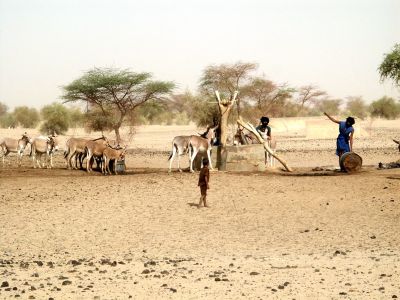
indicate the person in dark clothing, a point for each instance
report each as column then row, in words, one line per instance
column 204, row 178
column 263, row 129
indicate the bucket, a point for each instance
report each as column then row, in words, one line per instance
column 350, row 162
column 120, row 167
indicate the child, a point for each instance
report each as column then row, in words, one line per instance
column 204, row 179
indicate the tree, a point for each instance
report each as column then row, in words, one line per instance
column 385, row 107
column 309, row 94
column 97, row 120
column 76, row 117
column 26, row 117
column 56, row 119
column 7, row 120
column 117, row 93
column 331, row 106
column 390, row 67
column 356, row 107
column 154, row 112
column 3, row 109
column 227, row 79
column 198, row 108
column 267, row 97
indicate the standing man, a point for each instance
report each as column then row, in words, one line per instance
column 344, row 141
column 263, row 129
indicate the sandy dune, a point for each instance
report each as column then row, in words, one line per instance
column 65, row 234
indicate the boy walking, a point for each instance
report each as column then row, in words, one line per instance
column 204, row 178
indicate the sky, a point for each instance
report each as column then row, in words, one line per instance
column 336, row 45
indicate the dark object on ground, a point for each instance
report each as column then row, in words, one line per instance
column 350, row 162
column 120, row 167
column 391, row 165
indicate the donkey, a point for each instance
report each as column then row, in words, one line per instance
column 74, row 147
column 110, row 154
column 8, row 145
column 201, row 143
column 95, row 148
column 398, row 143
column 43, row 145
column 180, row 146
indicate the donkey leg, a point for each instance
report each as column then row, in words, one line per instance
column 4, row 156
column 88, row 158
column 19, row 159
column 209, row 159
column 192, row 159
column 172, row 159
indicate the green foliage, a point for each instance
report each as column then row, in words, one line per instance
column 116, row 92
column 97, row 120
column 153, row 112
column 56, row 119
column 390, row 67
column 26, row 117
column 76, row 117
column 356, row 107
column 7, row 120
column 3, row 109
column 181, row 118
column 385, row 107
column 204, row 111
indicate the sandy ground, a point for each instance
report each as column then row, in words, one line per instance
column 65, row 234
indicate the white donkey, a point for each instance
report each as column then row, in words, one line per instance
column 43, row 145
column 201, row 144
column 180, row 146
column 8, row 145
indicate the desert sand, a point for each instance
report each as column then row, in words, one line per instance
column 66, row 234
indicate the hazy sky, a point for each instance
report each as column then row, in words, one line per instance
column 337, row 45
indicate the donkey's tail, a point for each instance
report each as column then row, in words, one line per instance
column 172, row 152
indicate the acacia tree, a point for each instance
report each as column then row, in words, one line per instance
column 227, row 79
column 309, row 94
column 116, row 92
column 266, row 96
column 390, row 67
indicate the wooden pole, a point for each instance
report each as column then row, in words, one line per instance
column 225, row 107
column 251, row 128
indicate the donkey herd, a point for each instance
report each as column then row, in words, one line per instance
column 106, row 152
column 100, row 150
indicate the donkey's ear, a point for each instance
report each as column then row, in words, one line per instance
column 397, row 142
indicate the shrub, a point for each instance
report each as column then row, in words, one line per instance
column 385, row 107
column 56, row 119
column 26, row 117
column 356, row 107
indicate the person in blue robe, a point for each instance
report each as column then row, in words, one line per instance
column 344, row 142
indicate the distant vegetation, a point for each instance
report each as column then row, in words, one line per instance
column 114, row 98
